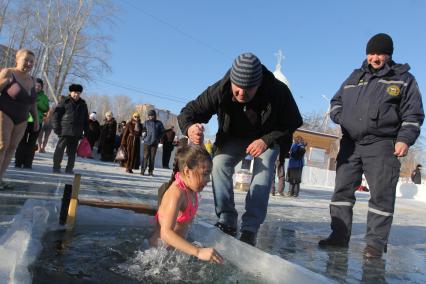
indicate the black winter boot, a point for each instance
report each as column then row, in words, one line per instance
column 248, row 237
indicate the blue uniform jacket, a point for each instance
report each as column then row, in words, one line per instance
column 372, row 106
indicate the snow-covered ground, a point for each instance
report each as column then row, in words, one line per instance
column 291, row 231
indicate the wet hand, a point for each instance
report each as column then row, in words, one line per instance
column 256, row 148
column 196, row 133
column 210, row 254
column 401, row 149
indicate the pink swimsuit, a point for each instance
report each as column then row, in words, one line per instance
column 191, row 209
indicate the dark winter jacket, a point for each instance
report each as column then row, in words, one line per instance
column 279, row 114
column 107, row 138
column 168, row 138
column 93, row 132
column 416, row 176
column 386, row 104
column 154, row 131
column 71, row 118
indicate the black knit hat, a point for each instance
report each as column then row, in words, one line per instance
column 40, row 81
column 380, row 43
column 76, row 88
column 151, row 112
column 246, row 71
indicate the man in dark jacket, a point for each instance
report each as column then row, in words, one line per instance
column 70, row 120
column 153, row 129
column 379, row 109
column 167, row 140
column 255, row 111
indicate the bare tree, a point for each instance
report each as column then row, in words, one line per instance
column 314, row 121
column 122, row 107
column 4, row 4
column 68, row 36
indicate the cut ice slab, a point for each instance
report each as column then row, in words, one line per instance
column 267, row 268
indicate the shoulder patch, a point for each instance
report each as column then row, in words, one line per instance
column 393, row 90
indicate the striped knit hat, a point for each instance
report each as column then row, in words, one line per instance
column 246, row 71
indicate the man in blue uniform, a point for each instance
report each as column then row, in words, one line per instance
column 379, row 109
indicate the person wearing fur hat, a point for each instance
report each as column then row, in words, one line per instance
column 379, row 109
column 154, row 130
column 94, row 130
column 107, row 139
column 70, row 121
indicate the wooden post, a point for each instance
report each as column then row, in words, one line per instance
column 66, row 197
column 72, row 209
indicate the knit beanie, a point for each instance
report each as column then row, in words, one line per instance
column 380, row 43
column 75, row 88
column 40, row 81
column 151, row 112
column 246, row 71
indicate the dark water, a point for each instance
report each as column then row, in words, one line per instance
column 121, row 255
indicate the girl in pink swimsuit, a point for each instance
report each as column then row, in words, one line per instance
column 179, row 203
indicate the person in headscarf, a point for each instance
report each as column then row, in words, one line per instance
column 107, row 138
column 132, row 143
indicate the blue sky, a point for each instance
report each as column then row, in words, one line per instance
column 175, row 49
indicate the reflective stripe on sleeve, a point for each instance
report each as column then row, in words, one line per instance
column 393, row 82
column 353, row 86
column 383, row 213
column 416, row 124
column 341, row 203
column 334, row 108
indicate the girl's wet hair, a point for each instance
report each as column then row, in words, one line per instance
column 186, row 155
column 190, row 156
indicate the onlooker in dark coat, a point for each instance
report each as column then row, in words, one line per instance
column 279, row 170
column 154, row 129
column 132, row 142
column 107, row 139
column 119, row 135
column 70, row 120
column 416, row 175
column 295, row 166
column 167, row 140
column 94, row 131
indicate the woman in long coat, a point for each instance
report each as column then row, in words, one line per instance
column 132, row 143
column 107, row 139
